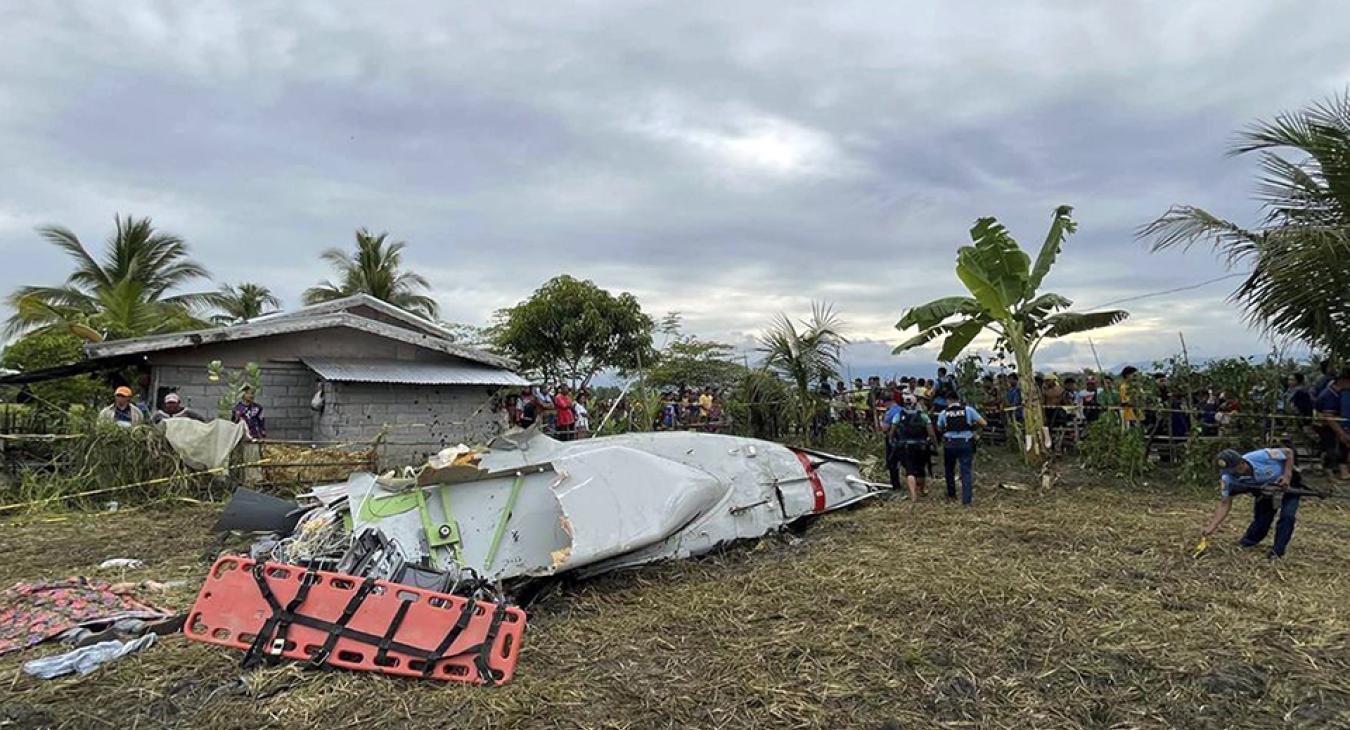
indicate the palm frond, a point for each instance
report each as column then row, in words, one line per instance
column 1068, row 323
column 1184, row 226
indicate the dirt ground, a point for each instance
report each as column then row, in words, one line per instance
column 1074, row 609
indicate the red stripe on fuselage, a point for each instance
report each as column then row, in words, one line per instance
column 817, row 489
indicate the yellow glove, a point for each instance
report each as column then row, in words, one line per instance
column 1201, row 547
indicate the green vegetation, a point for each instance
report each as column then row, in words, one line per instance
column 230, row 383
column 49, row 348
column 374, row 268
column 1004, row 283
column 99, row 462
column 242, row 302
column 569, row 330
column 127, row 293
column 805, row 353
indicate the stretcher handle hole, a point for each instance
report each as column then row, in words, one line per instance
column 454, row 670
column 312, row 649
column 278, row 573
column 196, row 626
column 342, row 584
column 220, row 634
column 247, row 638
column 417, row 665
column 386, row 661
column 224, row 567
column 409, row 596
column 510, row 618
column 506, row 646
column 355, row 657
column 437, row 602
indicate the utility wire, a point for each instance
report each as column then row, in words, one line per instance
column 1137, row 297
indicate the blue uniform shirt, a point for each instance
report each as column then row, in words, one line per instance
column 972, row 416
column 1331, row 400
column 1267, row 466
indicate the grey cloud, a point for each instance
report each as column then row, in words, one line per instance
column 726, row 161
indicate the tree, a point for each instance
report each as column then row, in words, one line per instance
column 1300, row 254
column 1003, row 284
column 242, row 302
column 804, row 353
column 126, row 294
column 569, row 330
column 685, row 360
column 375, row 269
column 50, row 348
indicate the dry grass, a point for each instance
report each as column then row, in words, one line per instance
column 1078, row 609
column 297, row 464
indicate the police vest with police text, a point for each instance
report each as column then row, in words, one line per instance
column 955, row 419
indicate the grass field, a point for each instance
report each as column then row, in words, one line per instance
column 1078, row 608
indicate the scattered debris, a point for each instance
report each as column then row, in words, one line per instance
column 123, row 563
column 253, row 511
column 86, row 658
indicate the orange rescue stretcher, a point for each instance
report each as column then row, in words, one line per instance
column 274, row 611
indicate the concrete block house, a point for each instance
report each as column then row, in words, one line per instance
column 376, row 367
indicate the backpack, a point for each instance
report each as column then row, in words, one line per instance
column 956, row 419
column 911, row 426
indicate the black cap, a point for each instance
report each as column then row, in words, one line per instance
column 1229, row 459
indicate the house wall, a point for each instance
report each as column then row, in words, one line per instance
column 421, row 419
column 284, row 393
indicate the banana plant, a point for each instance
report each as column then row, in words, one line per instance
column 1004, row 299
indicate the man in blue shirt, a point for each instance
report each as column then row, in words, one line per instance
column 1333, row 425
column 1264, row 473
column 909, row 432
column 957, row 423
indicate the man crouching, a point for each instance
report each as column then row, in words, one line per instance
column 1265, row 474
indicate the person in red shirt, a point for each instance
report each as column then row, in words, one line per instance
column 566, row 414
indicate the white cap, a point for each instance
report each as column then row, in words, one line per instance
column 172, row 398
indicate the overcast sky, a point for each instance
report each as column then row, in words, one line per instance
column 728, row 160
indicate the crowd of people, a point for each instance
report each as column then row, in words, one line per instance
column 566, row 416
column 127, row 411
column 556, row 410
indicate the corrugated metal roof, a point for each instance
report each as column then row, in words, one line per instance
column 358, row 370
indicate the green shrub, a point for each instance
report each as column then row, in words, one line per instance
column 1110, row 449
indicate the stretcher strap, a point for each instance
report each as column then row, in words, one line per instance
column 284, row 616
column 480, row 660
column 465, row 613
column 336, row 631
column 264, row 646
column 382, row 650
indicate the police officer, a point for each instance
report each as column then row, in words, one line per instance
column 1265, row 474
column 909, row 432
column 957, row 423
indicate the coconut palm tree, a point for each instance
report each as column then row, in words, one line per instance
column 1004, row 299
column 242, row 302
column 1299, row 254
column 805, row 352
column 126, row 293
column 374, row 269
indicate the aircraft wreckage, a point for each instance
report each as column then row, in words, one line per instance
column 471, row 523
